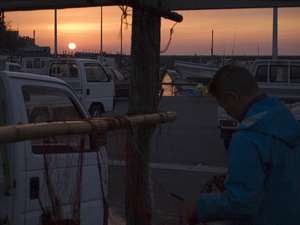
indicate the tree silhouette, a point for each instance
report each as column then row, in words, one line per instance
column 9, row 39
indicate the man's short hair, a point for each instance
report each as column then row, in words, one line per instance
column 234, row 78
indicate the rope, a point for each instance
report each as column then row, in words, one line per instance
column 166, row 48
column 77, row 203
column 95, row 142
column 215, row 182
column 124, row 16
column 104, row 201
column 54, row 213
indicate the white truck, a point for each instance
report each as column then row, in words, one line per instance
column 280, row 78
column 10, row 66
column 90, row 81
column 15, row 67
column 50, row 180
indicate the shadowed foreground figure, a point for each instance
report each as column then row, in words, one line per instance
column 263, row 183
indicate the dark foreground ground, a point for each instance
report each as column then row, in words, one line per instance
column 185, row 154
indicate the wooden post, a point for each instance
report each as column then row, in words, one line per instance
column 144, row 89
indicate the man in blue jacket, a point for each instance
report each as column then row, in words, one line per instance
column 263, row 183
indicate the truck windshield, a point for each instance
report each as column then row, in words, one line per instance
column 45, row 104
column 279, row 73
column 14, row 68
column 262, row 73
column 64, row 70
column 49, row 104
column 95, row 73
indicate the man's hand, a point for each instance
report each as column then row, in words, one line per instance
column 190, row 214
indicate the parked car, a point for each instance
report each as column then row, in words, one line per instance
column 11, row 66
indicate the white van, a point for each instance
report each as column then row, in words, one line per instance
column 36, row 65
column 90, row 81
column 57, row 180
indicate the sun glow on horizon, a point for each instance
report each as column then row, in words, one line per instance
column 72, row 46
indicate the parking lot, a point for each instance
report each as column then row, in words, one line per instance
column 185, row 154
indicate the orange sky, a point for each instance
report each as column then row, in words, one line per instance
column 238, row 31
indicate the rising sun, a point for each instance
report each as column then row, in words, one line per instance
column 72, row 46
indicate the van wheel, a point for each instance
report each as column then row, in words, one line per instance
column 96, row 111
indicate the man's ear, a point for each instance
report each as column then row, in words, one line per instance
column 232, row 96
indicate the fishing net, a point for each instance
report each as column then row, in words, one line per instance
column 67, row 175
column 65, row 169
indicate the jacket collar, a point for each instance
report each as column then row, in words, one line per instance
column 251, row 103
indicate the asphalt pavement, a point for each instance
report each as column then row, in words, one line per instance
column 185, row 154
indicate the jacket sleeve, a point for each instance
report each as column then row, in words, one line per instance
column 243, row 187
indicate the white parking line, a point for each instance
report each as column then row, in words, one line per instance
column 179, row 167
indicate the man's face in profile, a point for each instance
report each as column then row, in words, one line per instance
column 230, row 101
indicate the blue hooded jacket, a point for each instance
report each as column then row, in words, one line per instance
column 263, row 183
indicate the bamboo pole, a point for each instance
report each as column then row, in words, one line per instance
column 15, row 133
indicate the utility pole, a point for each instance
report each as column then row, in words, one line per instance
column 121, row 37
column 33, row 35
column 212, row 43
column 2, row 36
column 55, row 32
column 144, row 90
column 275, row 34
column 101, row 30
column 233, row 45
column 2, row 21
column 2, row 24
